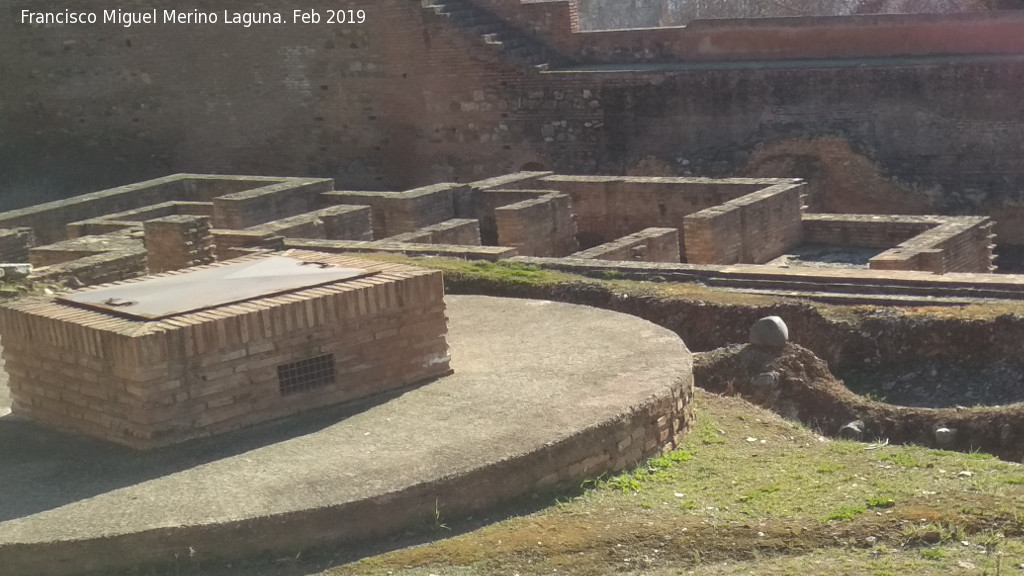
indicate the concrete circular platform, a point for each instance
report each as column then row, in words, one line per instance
column 543, row 394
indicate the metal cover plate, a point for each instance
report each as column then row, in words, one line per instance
column 211, row 287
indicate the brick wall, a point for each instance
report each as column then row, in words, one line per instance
column 231, row 243
column 958, row 244
column 647, row 245
column 538, row 227
column 461, row 231
column 610, row 207
column 753, row 228
column 866, row 230
column 15, row 243
column 146, row 384
column 239, row 210
column 113, row 266
column 127, row 240
column 402, row 212
column 176, row 242
column 714, row 235
column 491, row 253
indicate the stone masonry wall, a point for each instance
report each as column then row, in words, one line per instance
column 15, row 243
column 647, row 245
column 146, row 384
column 176, row 242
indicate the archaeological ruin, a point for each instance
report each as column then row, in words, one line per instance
column 210, row 348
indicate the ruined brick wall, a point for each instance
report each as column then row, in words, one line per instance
column 239, row 210
column 714, row 235
column 869, row 231
column 538, row 227
column 648, row 245
column 177, row 242
column 610, row 207
column 962, row 244
column 15, row 243
column 751, row 229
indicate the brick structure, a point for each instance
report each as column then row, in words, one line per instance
column 151, row 381
column 753, row 228
column 647, row 245
column 176, row 242
column 938, row 244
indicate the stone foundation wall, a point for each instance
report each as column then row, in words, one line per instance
column 15, row 244
column 113, row 266
column 146, row 384
column 176, row 242
column 648, row 245
column 491, row 253
column 538, row 227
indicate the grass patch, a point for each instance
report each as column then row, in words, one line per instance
column 846, row 513
column 722, row 504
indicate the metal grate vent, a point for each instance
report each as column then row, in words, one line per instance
column 305, row 375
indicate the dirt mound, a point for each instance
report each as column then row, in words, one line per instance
column 798, row 385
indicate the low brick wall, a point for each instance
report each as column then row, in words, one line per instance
column 233, row 243
column 127, row 240
column 136, row 218
column 293, row 196
column 865, row 230
column 491, row 253
column 938, row 244
column 768, row 220
column 402, row 212
column 176, row 242
column 113, row 266
column 610, row 207
column 538, row 227
column 15, row 244
column 336, row 222
column 648, row 245
column 460, row 231
column 960, row 244
column 152, row 383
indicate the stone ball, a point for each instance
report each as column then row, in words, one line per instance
column 769, row 331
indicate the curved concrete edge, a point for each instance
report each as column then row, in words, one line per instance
column 639, row 432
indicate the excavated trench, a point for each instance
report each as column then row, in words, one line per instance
column 903, row 373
